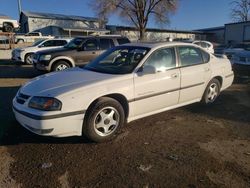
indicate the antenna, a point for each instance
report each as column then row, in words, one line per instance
column 19, row 7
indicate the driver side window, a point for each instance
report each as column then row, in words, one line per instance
column 162, row 59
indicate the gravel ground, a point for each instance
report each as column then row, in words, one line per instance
column 193, row 146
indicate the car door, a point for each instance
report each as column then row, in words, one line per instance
column 156, row 91
column 89, row 50
column 195, row 72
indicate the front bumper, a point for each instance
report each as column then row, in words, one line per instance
column 16, row 56
column 241, row 69
column 40, row 65
column 56, row 126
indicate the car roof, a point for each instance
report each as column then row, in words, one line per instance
column 67, row 39
column 102, row 36
column 158, row 44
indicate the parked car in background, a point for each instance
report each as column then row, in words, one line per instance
column 205, row 45
column 79, row 51
column 25, row 54
column 123, row 84
column 241, row 63
column 7, row 24
column 31, row 37
column 232, row 49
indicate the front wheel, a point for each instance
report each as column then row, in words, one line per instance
column 28, row 59
column 60, row 65
column 103, row 120
column 212, row 91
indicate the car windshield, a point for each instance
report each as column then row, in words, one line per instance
column 118, row 60
column 75, row 43
column 38, row 42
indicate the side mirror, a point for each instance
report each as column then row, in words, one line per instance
column 40, row 46
column 148, row 69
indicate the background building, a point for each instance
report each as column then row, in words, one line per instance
column 60, row 25
column 237, row 32
column 153, row 34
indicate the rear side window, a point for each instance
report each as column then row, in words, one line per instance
column 60, row 42
column 90, row 44
column 122, row 41
column 189, row 56
column 205, row 56
column 49, row 43
column 106, row 44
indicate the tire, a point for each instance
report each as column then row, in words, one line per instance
column 28, row 58
column 103, row 120
column 212, row 92
column 8, row 28
column 60, row 65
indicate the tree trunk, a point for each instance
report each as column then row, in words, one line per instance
column 142, row 34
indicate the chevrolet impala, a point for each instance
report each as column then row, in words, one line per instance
column 123, row 84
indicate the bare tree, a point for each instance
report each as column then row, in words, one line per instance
column 138, row 12
column 240, row 11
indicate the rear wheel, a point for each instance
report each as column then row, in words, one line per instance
column 8, row 28
column 103, row 120
column 212, row 91
column 60, row 65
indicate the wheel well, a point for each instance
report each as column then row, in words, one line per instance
column 28, row 54
column 66, row 60
column 120, row 98
column 219, row 78
column 8, row 23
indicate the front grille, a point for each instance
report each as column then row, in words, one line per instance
column 22, row 98
column 243, row 59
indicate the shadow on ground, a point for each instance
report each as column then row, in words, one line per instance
column 11, row 69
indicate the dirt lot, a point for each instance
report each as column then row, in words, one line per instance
column 191, row 147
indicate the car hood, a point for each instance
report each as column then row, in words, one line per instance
column 244, row 53
column 59, row 83
column 55, row 50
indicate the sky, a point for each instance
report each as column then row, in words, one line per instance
column 191, row 14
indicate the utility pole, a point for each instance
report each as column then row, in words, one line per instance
column 19, row 7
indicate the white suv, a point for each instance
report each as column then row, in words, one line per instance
column 206, row 45
column 25, row 54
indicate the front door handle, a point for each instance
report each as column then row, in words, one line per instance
column 207, row 69
column 93, row 52
column 175, row 75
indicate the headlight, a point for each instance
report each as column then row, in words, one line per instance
column 45, row 57
column 45, row 103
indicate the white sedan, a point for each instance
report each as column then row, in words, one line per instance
column 123, row 84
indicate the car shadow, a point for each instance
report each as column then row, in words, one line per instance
column 12, row 133
column 12, row 69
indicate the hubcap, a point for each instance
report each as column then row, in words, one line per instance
column 106, row 121
column 212, row 92
column 29, row 59
column 61, row 67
